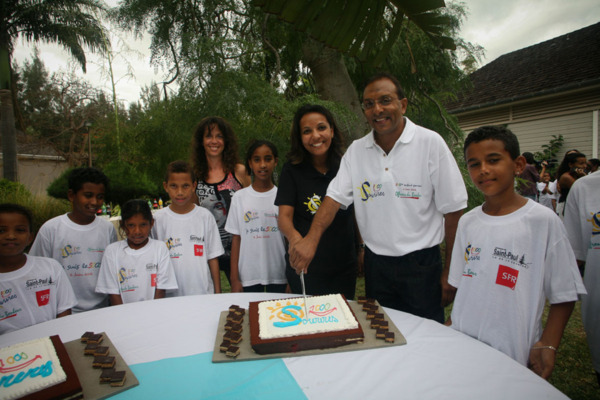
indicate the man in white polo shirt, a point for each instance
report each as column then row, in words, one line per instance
column 408, row 193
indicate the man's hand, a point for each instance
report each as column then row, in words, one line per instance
column 301, row 253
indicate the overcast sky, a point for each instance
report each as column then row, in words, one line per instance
column 499, row 26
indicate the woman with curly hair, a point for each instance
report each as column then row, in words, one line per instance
column 219, row 174
column 313, row 161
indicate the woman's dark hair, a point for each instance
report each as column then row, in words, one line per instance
column 230, row 157
column 529, row 157
column 255, row 144
column 298, row 153
column 134, row 207
column 565, row 166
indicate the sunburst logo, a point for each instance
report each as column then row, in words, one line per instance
column 313, row 203
column 365, row 191
column 595, row 220
column 286, row 313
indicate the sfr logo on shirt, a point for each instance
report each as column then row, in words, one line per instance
column 507, row 276
column 198, row 250
column 153, row 280
column 43, row 297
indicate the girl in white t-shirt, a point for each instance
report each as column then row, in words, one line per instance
column 257, row 250
column 137, row 268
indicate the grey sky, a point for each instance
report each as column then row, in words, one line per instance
column 499, row 26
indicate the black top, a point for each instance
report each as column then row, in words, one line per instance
column 303, row 187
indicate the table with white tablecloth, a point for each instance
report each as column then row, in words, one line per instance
column 174, row 337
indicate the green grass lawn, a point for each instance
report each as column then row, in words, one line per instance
column 573, row 374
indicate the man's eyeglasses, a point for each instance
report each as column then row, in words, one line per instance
column 382, row 101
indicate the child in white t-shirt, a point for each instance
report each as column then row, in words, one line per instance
column 510, row 255
column 33, row 289
column 257, row 248
column 77, row 240
column 547, row 191
column 191, row 234
column 137, row 268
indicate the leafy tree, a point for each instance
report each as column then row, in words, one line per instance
column 69, row 23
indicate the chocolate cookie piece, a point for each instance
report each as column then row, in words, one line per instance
column 390, row 337
column 106, row 375
column 96, row 338
column 101, row 351
column 118, row 378
column 380, row 333
column 224, row 345
column 232, row 351
column 90, row 349
column 86, row 335
column 103, row 362
column 234, row 338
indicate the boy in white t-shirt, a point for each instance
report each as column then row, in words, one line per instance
column 77, row 240
column 191, row 234
column 547, row 191
column 32, row 289
column 510, row 255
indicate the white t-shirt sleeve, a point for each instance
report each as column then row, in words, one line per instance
column 450, row 193
column 66, row 295
column 573, row 222
column 340, row 187
column 107, row 277
column 42, row 245
column 233, row 216
column 213, row 239
column 166, row 275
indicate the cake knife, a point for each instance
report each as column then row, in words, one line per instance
column 304, row 293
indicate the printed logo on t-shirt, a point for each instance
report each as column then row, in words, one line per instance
column 153, row 280
column 69, row 251
column 250, row 216
column 408, row 191
column 595, row 221
column 125, row 275
column 198, row 250
column 42, row 297
column 370, row 190
column 32, row 284
column 472, row 253
column 313, row 203
column 507, row 276
column 508, row 256
column 173, row 242
column 6, row 296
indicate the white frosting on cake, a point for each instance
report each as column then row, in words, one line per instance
column 285, row 318
column 29, row 367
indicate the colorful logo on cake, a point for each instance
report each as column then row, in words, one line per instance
column 292, row 313
column 69, row 250
column 313, row 203
column 369, row 191
column 595, row 220
column 12, row 368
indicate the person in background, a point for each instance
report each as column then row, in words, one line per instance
column 505, row 276
column 219, row 174
column 547, row 193
column 527, row 187
column 190, row 233
column 77, row 239
column 313, row 161
column 592, row 165
column 34, row 289
column 570, row 169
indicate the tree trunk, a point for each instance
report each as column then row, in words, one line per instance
column 332, row 81
column 9, row 135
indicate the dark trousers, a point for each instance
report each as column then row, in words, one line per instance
column 272, row 288
column 409, row 283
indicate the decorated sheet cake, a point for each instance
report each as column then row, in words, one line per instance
column 35, row 368
column 282, row 325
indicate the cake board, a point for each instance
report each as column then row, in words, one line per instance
column 90, row 377
column 247, row 353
